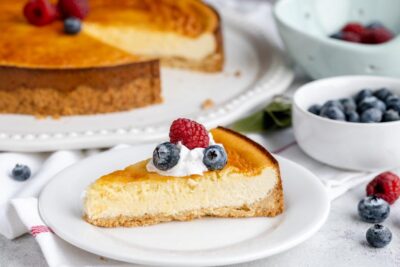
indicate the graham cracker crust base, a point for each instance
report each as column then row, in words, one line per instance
column 79, row 91
column 83, row 100
column 270, row 206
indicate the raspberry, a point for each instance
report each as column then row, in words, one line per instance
column 356, row 28
column 386, row 185
column 74, row 8
column 40, row 12
column 190, row 133
column 381, row 35
column 376, row 36
column 351, row 37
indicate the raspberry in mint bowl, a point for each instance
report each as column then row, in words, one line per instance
column 350, row 122
column 342, row 37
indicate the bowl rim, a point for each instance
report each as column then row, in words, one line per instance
column 326, row 39
column 350, row 78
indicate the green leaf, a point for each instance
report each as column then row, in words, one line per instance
column 278, row 114
column 253, row 123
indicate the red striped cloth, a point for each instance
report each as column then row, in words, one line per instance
column 39, row 229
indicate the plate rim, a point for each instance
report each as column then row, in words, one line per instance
column 210, row 262
column 275, row 80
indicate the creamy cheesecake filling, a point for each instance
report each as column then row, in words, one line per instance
column 173, row 196
column 153, row 43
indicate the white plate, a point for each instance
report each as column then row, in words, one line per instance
column 201, row 242
column 263, row 75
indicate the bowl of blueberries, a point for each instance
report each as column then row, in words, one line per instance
column 341, row 37
column 350, row 122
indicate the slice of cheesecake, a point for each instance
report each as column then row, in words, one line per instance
column 248, row 186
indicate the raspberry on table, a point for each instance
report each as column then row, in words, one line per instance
column 190, row 133
column 386, row 185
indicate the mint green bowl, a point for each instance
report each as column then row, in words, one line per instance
column 305, row 26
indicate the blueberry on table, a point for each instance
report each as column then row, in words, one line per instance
column 352, row 116
column 390, row 115
column 21, row 172
column 72, row 25
column 379, row 236
column 371, row 102
column 315, row 109
column 371, row 115
column 383, row 93
column 214, row 157
column 373, row 209
column 333, row 113
column 348, row 104
column 166, row 156
column 362, row 94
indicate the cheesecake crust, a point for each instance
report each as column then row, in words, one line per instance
column 77, row 92
column 272, row 205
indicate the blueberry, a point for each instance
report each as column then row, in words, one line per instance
column 315, row 109
column 72, row 25
column 333, row 103
column 375, row 25
column 21, row 172
column 333, row 113
column 362, row 94
column 391, row 115
column 392, row 99
column 383, row 93
column 393, row 102
column 371, row 102
column 166, row 156
column 337, row 35
column 352, row 116
column 371, row 115
column 373, row 209
column 348, row 104
column 214, row 157
column 379, row 236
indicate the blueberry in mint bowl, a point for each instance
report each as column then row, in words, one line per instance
column 350, row 122
column 317, row 36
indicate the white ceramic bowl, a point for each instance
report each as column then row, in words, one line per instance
column 354, row 146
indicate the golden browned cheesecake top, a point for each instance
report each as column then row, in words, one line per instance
column 25, row 45
column 245, row 157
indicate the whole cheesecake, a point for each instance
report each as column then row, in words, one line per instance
column 249, row 185
column 112, row 65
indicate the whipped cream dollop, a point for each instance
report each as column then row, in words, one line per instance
column 190, row 162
